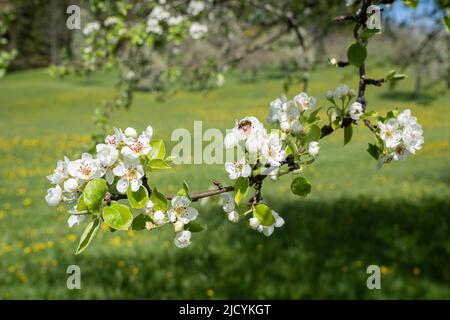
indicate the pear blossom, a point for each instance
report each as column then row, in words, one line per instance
column 159, row 14
column 159, row 217
column 91, row 27
column 389, row 133
column 238, row 169
column 130, row 132
column 86, row 168
column 60, row 173
column 136, row 147
column 233, row 216
column 70, row 185
column 148, row 207
column 182, row 239
column 176, row 20
column 313, row 148
column 196, row 7
column 254, row 223
column 405, row 118
column 276, row 109
column 116, row 138
column 153, row 26
column 181, row 211
column 197, row 30
column 289, row 118
column 130, row 172
column 356, row 110
column 229, row 206
column 54, row 196
column 107, row 154
column 341, row 91
column 248, row 130
column 304, row 101
column 268, row 230
column 75, row 219
column 272, row 151
column 412, row 137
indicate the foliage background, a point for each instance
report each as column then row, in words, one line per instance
column 397, row 218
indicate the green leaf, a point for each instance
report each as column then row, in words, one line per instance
column 159, row 200
column 140, row 221
column 88, row 234
column 184, row 191
column 241, row 188
column 374, row 151
column 313, row 116
column 446, row 23
column 348, row 134
column 94, row 193
column 411, row 3
column 264, row 215
column 158, row 164
column 367, row 33
column 313, row 134
column 369, row 114
column 158, row 150
column 194, row 226
column 300, row 187
column 137, row 199
column 356, row 54
column 81, row 206
column 117, row 216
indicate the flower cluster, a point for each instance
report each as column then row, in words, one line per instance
column 287, row 112
column 401, row 135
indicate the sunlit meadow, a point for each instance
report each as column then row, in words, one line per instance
column 397, row 218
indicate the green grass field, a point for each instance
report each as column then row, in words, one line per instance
column 397, row 218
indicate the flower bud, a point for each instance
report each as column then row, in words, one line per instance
column 130, row 132
column 178, row 226
column 254, row 223
column 233, row 216
column 71, row 185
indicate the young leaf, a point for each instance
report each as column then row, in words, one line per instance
column 137, row 199
column 159, row 200
column 184, row 191
column 194, row 226
column 81, row 206
column 300, row 187
column 348, row 134
column 140, row 221
column 374, row 151
column 117, row 216
column 313, row 116
column 369, row 114
column 356, row 54
column 158, row 164
column 94, row 193
column 158, row 150
column 264, row 215
column 241, row 188
column 88, row 234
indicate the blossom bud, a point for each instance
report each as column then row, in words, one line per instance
column 130, row 132
column 254, row 223
column 70, row 185
column 233, row 216
column 178, row 226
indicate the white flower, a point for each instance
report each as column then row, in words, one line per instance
column 136, row 147
column 405, row 118
column 148, row 132
column 71, row 185
column 182, row 239
column 86, row 168
column 272, row 151
column 159, row 217
column 401, row 152
column 313, row 148
column 305, row 102
column 412, row 136
column 110, row 21
column 233, row 216
column 148, row 207
column 107, row 154
column 248, row 130
column 389, row 133
column 341, row 91
column 130, row 173
column 268, row 230
column 159, row 13
column 197, row 30
column 130, row 132
column 154, row 27
column 195, row 7
column 289, row 118
column 114, row 139
column 231, row 140
column 329, row 95
column 254, row 223
column 75, row 219
column 54, row 196
column 356, row 110
column 180, row 210
column 174, row 21
column 275, row 110
column 60, row 173
column 238, row 169
column 91, row 27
